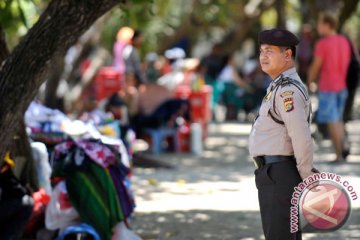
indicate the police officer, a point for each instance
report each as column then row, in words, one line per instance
column 280, row 140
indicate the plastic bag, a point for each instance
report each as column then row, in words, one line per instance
column 60, row 214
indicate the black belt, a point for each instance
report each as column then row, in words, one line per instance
column 263, row 160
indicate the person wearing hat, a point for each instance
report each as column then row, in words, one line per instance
column 116, row 106
column 280, row 140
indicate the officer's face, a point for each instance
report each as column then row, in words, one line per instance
column 273, row 59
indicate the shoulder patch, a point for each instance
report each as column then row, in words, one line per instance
column 287, row 93
column 301, row 87
column 289, row 104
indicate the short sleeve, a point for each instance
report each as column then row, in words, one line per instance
column 319, row 50
column 292, row 108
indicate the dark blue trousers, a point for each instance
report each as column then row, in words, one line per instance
column 275, row 183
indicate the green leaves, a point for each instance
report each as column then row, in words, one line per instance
column 17, row 16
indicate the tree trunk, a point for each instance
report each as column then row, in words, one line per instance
column 4, row 51
column 20, row 145
column 56, row 70
column 24, row 70
column 328, row 5
column 281, row 14
column 343, row 8
column 348, row 9
column 21, row 152
column 89, row 40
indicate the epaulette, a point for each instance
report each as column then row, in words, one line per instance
column 283, row 82
column 286, row 81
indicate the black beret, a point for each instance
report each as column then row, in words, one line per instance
column 278, row 37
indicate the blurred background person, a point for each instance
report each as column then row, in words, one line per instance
column 211, row 66
column 352, row 80
column 234, row 89
column 331, row 61
column 305, row 52
column 157, row 107
column 134, row 73
column 259, row 82
column 123, row 39
column 152, row 68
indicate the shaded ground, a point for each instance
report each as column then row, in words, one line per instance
column 243, row 225
column 213, row 196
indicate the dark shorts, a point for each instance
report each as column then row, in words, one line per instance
column 331, row 106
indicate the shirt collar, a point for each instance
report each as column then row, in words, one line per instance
column 289, row 72
column 286, row 73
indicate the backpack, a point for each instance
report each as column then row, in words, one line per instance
column 352, row 76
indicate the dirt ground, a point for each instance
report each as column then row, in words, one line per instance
column 213, row 196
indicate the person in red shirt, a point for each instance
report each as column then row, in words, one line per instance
column 331, row 61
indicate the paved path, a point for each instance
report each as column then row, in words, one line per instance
column 213, row 196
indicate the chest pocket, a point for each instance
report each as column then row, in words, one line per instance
column 268, row 107
column 265, row 108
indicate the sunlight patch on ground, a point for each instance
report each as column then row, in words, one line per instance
column 231, row 128
column 218, row 196
column 183, row 196
column 353, row 126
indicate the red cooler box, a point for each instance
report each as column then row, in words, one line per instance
column 200, row 105
column 107, row 82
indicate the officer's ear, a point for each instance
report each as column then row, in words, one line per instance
column 288, row 54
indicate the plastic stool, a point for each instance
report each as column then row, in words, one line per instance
column 159, row 135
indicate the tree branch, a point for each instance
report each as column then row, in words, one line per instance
column 4, row 50
column 348, row 9
column 233, row 39
column 58, row 28
column 281, row 13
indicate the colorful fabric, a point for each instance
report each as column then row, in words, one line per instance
column 94, row 196
column 125, row 195
column 95, row 180
column 44, row 119
column 335, row 53
column 98, row 152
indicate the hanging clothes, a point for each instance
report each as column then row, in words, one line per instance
column 95, row 180
column 93, row 195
